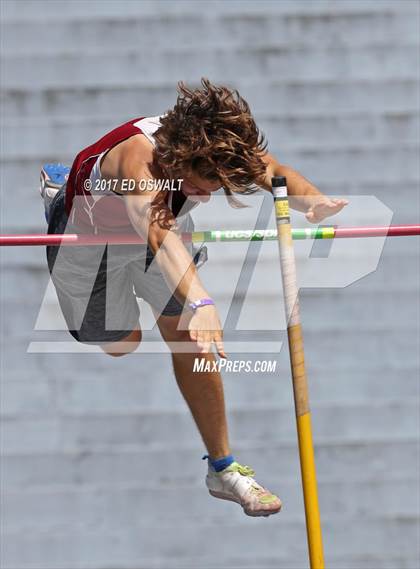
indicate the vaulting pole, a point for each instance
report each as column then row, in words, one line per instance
column 228, row 235
column 297, row 361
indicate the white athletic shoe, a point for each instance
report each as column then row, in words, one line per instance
column 235, row 483
column 52, row 177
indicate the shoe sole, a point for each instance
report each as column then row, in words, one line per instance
column 254, row 514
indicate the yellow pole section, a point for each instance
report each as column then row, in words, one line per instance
column 297, row 362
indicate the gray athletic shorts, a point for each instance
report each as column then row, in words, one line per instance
column 97, row 286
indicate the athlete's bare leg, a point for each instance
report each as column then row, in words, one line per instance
column 125, row 346
column 202, row 391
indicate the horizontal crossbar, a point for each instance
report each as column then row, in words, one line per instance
column 326, row 232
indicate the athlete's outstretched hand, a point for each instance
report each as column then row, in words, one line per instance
column 324, row 207
column 205, row 329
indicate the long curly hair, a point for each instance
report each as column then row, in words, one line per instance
column 211, row 132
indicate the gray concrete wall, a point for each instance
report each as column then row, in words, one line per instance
column 100, row 458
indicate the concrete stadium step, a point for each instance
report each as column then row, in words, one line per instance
column 371, row 205
column 352, row 63
column 25, row 178
column 354, row 308
column 45, row 11
column 266, row 336
column 103, row 507
column 267, row 280
column 137, row 541
column 355, row 305
column 298, row 135
column 356, row 460
column 268, row 329
column 339, row 342
column 251, row 562
column 306, row 96
column 399, row 127
column 297, row 96
column 31, row 218
column 361, row 562
column 294, row 132
column 388, row 345
column 394, row 163
column 56, row 392
column 304, row 127
column 255, row 424
column 229, row 30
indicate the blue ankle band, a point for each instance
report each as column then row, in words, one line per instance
column 221, row 463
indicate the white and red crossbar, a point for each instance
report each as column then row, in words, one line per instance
column 326, row 232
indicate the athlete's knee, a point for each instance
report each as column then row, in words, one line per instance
column 178, row 341
column 126, row 345
column 172, row 330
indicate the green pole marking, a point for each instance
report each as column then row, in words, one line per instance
column 260, row 235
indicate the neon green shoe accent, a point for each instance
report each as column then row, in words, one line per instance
column 268, row 499
column 236, row 467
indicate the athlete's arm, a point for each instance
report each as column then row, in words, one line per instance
column 174, row 261
column 304, row 196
